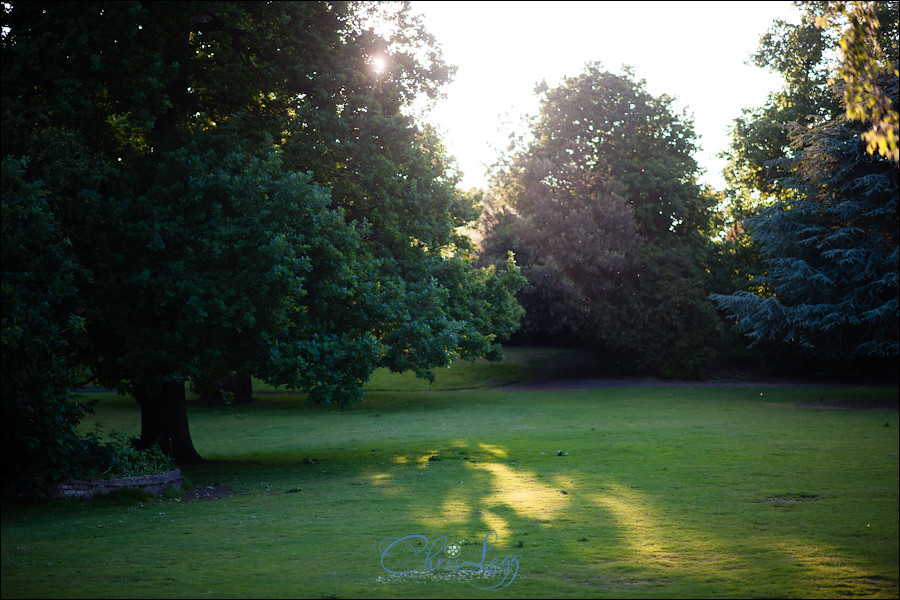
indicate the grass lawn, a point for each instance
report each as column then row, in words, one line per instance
column 660, row 492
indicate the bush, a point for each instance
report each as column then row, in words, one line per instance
column 118, row 458
column 38, row 417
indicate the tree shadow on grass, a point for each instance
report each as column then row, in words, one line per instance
column 571, row 529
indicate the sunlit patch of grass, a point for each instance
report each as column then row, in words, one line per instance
column 492, row 449
column 522, row 492
column 827, row 570
column 380, row 478
column 643, row 537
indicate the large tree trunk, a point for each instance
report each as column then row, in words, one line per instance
column 164, row 422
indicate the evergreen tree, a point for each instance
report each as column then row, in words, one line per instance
column 830, row 249
column 800, row 193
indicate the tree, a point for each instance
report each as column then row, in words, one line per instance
column 38, row 418
column 575, row 235
column 803, row 54
column 863, row 60
column 775, row 200
column 761, row 136
column 830, row 289
column 800, row 54
column 246, row 195
column 602, row 210
column 228, row 241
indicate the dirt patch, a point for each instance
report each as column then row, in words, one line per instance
column 789, row 498
column 211, row 492
column 886, row 405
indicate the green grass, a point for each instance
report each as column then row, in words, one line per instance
column 664, row 492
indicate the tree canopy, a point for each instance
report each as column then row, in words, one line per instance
column 38, row 328
column 822, row 215
column 602, row 210
column 803, row 55
column 862, row 62
column 240, row 191
column 830, row 251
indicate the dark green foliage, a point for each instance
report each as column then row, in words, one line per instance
column 802, row 54
column 813, row 242
column 830, row 248
column 244, row 194
column 660, row 320
column 38, row 418
column 604, row 215
column 228, row 241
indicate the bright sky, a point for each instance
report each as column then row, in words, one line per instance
column 693, row 51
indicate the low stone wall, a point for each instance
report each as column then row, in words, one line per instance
column 81, row 488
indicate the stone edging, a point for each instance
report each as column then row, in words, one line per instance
column 81, row 488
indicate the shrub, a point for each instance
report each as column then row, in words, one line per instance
column 118, row 458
